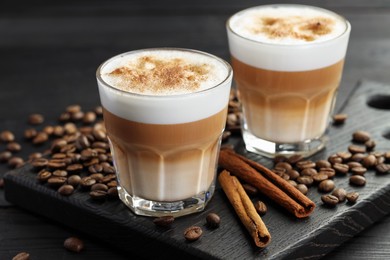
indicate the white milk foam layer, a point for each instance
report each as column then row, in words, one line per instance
column 250, row 43
column 166, row 107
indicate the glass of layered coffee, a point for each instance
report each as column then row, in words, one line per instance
column 288, row 62
column 165, row 110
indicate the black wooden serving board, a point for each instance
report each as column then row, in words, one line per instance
column 292, row 238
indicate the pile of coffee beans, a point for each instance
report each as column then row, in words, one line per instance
column 78, row 157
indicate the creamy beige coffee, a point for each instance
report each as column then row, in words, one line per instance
column 288, row 62
column 165, row 111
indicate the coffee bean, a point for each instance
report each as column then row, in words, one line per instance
column 96, row 168
column 98, row 177
column 341, row 168
column 34, row 156
column 44, row 175
column 260, row 207
column 383, row 168
column 387, row 156
column 99, row 186
column 193, row 233
column 98, row 194
column 14, row 147
column 360, row 170
column 87, row 182
column 285, row 165
column 293, row 174
column 334, row 158
column 320, row 177
column 354, row 164
column 357, row 149
column 40, row 138
column 345, row 156
column 340, row 193
column 369, row 161
column 74, row 180
column 357, row 180
column 56, row 181
column 339, row 119
column 74, row 168
column 293, row 183
column 74, row 244
column 15, row 162
column 305, row 164
column 99, row 110
column 112, row 192
column 250, row 190
column 7, row 136
column 30, row 133
column 361, row 136
column 213, row 220
column 352, row 197
column 309, row 172
column 66, row 190
column 280, row 158
column 58, row 131
column 100, row 135
column 73, row 108
column 39, row 163
column 5, row 156
column 35, row 119
column 279, row 171
column 21, row 256
column 60, row 173
column 329, row 200
column 109, row 169
column 370, row 145
column 89, row 117
column 164, row 221
column 56, row 164
column 323, row 164
column 302, row 188
column 307, row 180
column 295, row 158
column 326, row 186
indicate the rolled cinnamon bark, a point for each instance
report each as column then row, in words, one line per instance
column 244, row 209
column 267, row 182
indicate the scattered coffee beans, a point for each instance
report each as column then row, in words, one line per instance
column 74, row 244
column 329, row 200
column 35, row 119
column 164, row 221
column 260, row 207
column 326, row 186
column 352, row 197
column 21, row 256
column 193, row 233
column 339, row 119
column 340, row 193
column 7, row 136
column 213, row 220
column 357, row 180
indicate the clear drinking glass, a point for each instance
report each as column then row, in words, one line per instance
column 287, row 76
column 165, row 147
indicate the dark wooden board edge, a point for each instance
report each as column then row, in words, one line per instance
column 340, row 228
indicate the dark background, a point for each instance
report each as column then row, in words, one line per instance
column 49, row 53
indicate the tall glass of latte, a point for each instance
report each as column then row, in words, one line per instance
column 288, row 62
column 165, row 110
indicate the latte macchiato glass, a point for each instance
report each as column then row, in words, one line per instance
column 288, row 62
column 165, row 110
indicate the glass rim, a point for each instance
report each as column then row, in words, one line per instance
column 347, row 26
column 229, row 72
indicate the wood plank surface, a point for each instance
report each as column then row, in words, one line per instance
column 50, row 51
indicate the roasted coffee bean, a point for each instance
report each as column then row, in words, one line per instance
column 109, row 169
column 213, row 220
column 280, row 158
column 98, row 194
column 103, row 157
column 352, row 197
column 309, row 172
column 112, row 192
column 226, row 135
column 7, row 136
column 64, row 117
column 74, row 168
column 82, row 142
column 49, row 130
column 34, row 156
column 358, row 157
column 334, row 158
column 58, row 131
column 357, row 149
column 58, row 156
column 89, row 117
column 90, row 162
column 21, row 256
column 279, row 171
column 70, row 128
column 103, row 146
column 39, row 163
column 307, row 180
column 295, row 158
column 164, row 221
column 357, row 180
column 100, row 135
column 387, row 156
column 329, row 200
column 77, row 116
column 326, row 186
column 328, row 171
column 293, row 183
column 302, row 188
column 43, row 175
column 30, row 133
column 15, row 162
column 88, row 154
column 66, row 190
column 73, row 108
column 361, row 136
column 232, row 119
column 283, row 175
column 95, row 168
column 369, row 161
column 97, row 176
column 370, row 145
column 339, row 119
column 341, row 168
column 305, row 164
column 250, row 190
column 40, row 138
column 56, row 164
column 323, row 164
column 112, row 184
column 345, row 156
column 293, row 174
column 193, row 233
column 320, row 177
column 60, row 173
column 354, row 164
column 260, row 207
column 56, row 181
column 380, row 160
column 360, row 170
column 87, row 182
column 36, row 119
column 99, row 110
column 14, row 147
column 74, row 180
column 5, row 156
column 340, row 193
column 284, row 165
column 383, row 168
column 74, row 244
column 99, row 186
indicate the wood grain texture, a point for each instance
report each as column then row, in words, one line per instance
column 50, row 52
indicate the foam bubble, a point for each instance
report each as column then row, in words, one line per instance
column 288, row 37
column 166, row 106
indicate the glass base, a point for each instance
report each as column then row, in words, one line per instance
column 150, row 208
column 271, row 149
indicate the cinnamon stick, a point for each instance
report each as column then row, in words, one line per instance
column 267, row 182
column 244, row 209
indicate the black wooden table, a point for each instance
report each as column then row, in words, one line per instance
column 49, row 53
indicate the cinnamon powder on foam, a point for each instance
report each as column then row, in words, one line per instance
column 160, row 76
